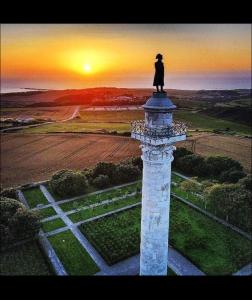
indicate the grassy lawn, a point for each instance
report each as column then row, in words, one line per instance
column 26, row 259
column 47, row 212
column 115, row 116
column 215, row 249
column 200, row 121
column 76, row 126
column 97, row 198
column 34, row 197
column 53, row 224
column 102, row 209
column 74, row 257
column 188, row 196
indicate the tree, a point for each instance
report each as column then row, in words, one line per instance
column 127, row 173
column 104, row 168
column 219, row 164
column 9, row 193
column 180, row 152
column 231, row 176
column 246, row 182
column 190, row 186
column 67, row 183
column 192, row 164
column 16, row 222
column 101, row 181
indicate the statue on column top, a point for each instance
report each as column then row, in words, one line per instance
column 159, row 73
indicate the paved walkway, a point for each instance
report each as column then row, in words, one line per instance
column 131, row 266
column 245, row 271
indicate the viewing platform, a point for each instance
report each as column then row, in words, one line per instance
column 159, row 135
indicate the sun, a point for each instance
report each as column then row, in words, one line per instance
column 87, row 68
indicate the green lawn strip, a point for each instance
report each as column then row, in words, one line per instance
column 190, row 197
column 215, row 249
column 97, row 198
column 74, row 257
column 201, row 121
column 102, row 209
column 47, row 212
column 25, row 259
column 53, row 224
column 34, row 196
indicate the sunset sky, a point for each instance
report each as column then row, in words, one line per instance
column 87, row 55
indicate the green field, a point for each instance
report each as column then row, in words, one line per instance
column 34, row 197
column 120, row 121
column 102, row 209
column 26, row 259
column 215, row 249
column 53, row 224
column 74, row 257
column 75, row 126
column 112, row 116
column 204, row 122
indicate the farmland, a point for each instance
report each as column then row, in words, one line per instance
column 207, row 144
column 32, row 157
column 57, row 113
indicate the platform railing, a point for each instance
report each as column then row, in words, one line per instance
column 176, row 129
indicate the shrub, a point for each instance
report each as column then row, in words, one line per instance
column 9, row 193
column 104, row 168
column 127, row 173
column 101, row 181
column 192, row 164
column 137, row 162
column 16, row 222
column 246, row 182
column 219, row 164
column 231, row 176
column 180, row 152
column 68, row 183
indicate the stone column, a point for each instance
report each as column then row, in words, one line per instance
column 155, row 208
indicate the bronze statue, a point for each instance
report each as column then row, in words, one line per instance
column 159, row 73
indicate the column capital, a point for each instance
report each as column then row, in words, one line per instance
column 157, row 154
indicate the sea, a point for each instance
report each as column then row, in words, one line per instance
column 202, row 82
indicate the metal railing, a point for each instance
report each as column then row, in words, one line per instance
column 139, row 127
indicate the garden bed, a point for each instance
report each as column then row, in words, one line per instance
column 74, row 257
column 215, row 249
